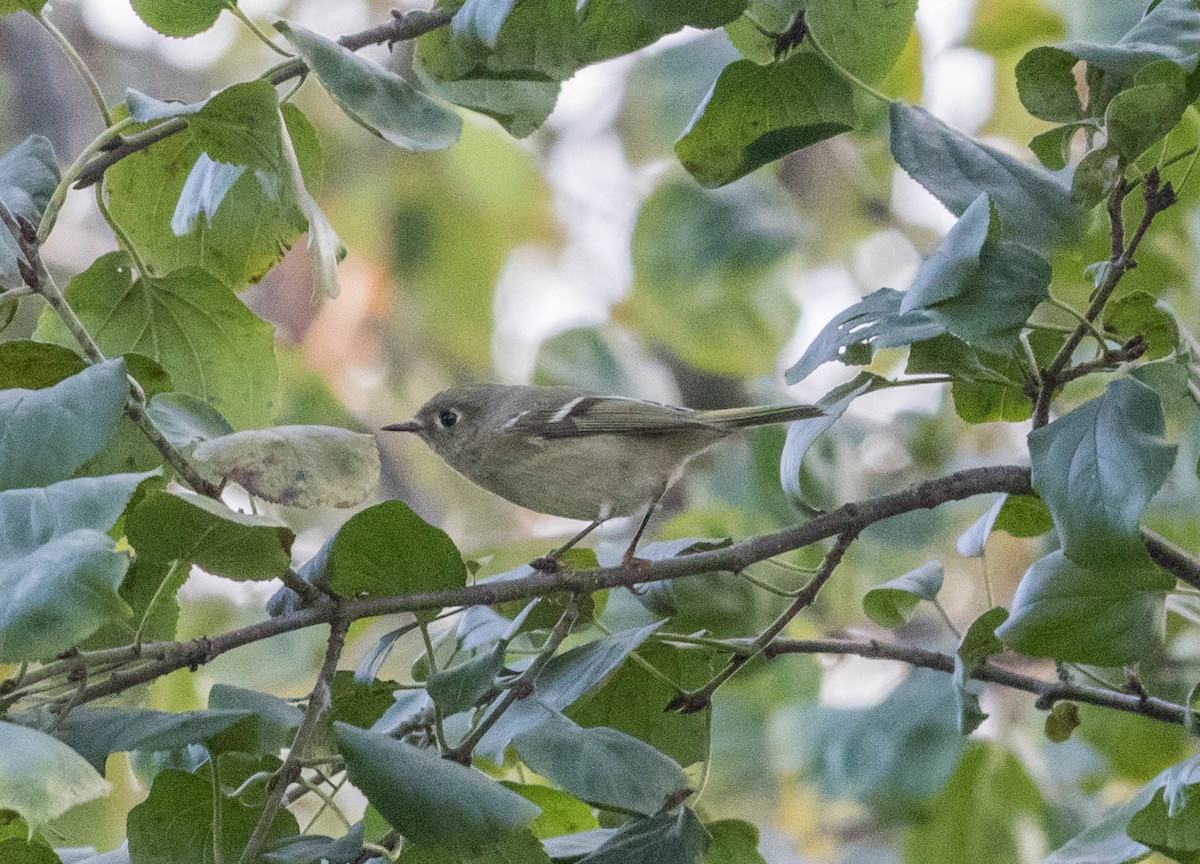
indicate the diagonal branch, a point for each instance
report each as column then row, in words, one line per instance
column 401, row 28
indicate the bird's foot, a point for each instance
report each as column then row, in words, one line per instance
column 546, row 564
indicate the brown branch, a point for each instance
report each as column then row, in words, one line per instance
column 402, row 27
column 289, row 772
column 701, row 699
column 1048, row 692
column 849, row 518
column 1158, row 197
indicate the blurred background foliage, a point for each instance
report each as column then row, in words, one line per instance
column 584, row 255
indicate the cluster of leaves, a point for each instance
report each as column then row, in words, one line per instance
column 94, row 542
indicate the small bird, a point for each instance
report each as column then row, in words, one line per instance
column 571, row 453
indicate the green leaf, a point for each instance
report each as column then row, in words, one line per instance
column 705, row 275
column 184, row 526
column 563, row 681
column 46, row 435
column 1024, row 516
column 278, row 720
column 1138, row 117
column 373, row 97
column 843, row 751
column 430, row 800
column 561, row 813
column 94, row 733
column 60, row 593
column 464, row 686
column 185, row 420
column 30, row 518
column 632, row 700
column 243, row 239
column 976, row 646
column 1106, row 842
column 983, row 814
column 892, row 603
column 36, row 365
column 33, row 7
column 1175, row 832
column 972, row 542
column 865, row 38
column 1075, row 615
column 1097, row 467
column 1035, row 206
column 1053, row 147
column 182, row 821
column 175, row 18
column 732, row 841
column 297, row 466
column 601, row 766
column 211, row 345
column 756, row 114
column 1169, row 31
column 802, row 433
column 359, row 704
column 1140, row 313
column 41, row 778
column 384, row 551
column 672, row 837
column 1047, row 87
column 28, row 177
column 1095, row 176
column 987, row 387
column 20, row 851
column 853, row 335
column 150, row 587
column 979, row 287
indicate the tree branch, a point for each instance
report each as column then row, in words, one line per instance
column 401, row 28
column 289, row 772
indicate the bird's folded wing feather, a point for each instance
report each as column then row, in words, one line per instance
column 601, row 415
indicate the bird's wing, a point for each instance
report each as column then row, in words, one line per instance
column 601, row 415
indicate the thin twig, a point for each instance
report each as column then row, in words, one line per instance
column 318, row 702
column 697, row 700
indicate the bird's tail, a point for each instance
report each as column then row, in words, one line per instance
column 758, row 415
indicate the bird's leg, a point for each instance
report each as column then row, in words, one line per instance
column 549, row 563
column 629, row 561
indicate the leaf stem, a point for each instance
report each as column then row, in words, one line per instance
column 50, row 214
column 438, row 728
column 842, row 70
column 256, row 30
column 84, row 72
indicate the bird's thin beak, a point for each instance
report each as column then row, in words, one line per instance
column 410, row 426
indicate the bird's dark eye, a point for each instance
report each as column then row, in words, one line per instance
column 446, row 419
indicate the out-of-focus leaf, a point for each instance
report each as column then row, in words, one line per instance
column 1097, row 467
column 173, row 18
column 732, row 841
column 842, row 750
column 1169, row 31
column 992, row 793
column 1106, row 842
column 184, row 526
column 212, row 346
column 429, row 800
column 1035, row 206
column 979, row 286
column 756, row 114
column 671, row 837
column 258, row 218
column 28, row 177
column 46, row 435
column 377, row 99
column 892, row 603
column 186, row 819
column 33, row 7
column 297, row 466
column 703, row 284
column 41, row 777
column 853, row 335
column 1075, row 615
column 600, row 765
